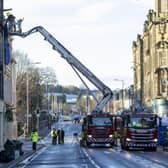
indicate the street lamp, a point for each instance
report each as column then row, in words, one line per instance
column 27, row 104
column 122, row 81
column 27, row 97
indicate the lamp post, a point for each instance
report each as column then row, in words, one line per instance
column 27, row 103
column 27, row 98
column 122, row 81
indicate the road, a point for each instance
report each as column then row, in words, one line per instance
column 71, row 155
column 117, row 158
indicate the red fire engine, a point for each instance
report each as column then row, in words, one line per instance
column 98, row 128
column 139, row 130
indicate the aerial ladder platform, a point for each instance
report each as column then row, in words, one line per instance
column 70, row 58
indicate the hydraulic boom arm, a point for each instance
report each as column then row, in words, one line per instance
column 74, row 62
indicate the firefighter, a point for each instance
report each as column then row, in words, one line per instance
column 165, row 140
column 54, row 136
column 115, row 137
column 83, row 137
column 62, row 133
column 34, row 139
column 19, row 25
column 11, row 22
column 59, row 137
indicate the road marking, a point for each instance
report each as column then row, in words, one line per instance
column 140, row 160
column 91, row 160
column 62, row 166
column 30, row 158
column 107, row 152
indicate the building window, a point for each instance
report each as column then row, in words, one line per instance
column 164, row 6
column 163, row 82
column 162, row 59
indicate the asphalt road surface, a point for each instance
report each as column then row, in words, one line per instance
column 71, row 155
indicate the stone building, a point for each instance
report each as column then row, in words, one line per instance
column 150, row 55
column 8, row 127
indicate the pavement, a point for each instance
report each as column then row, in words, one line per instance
column 27, row 148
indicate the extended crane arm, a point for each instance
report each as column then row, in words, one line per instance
column 72, row 60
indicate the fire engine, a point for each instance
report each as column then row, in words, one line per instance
column 139, row 130
column 98, row 128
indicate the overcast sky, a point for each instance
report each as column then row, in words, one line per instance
column 99, row 33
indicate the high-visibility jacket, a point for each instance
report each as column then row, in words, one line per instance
column 115, row 134
column 83, row 135
column 34, row 136
column 8, row 14
column 125, row 131
column 53, row 133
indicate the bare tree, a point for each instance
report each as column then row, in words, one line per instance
column 48, row 76
column 22, row 61
column 27, row 72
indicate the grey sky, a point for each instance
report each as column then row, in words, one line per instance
column 98, row 32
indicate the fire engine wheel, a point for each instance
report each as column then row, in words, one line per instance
column 153, row 149
column 88, row 144
column 122, row 146
column 112, row 144
column 125, row 146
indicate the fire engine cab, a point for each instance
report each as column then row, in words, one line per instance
column 139, row 130
column 98, row 128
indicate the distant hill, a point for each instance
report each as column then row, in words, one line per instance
column 68, row 90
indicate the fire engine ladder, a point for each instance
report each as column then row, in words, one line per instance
column 74, row 62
